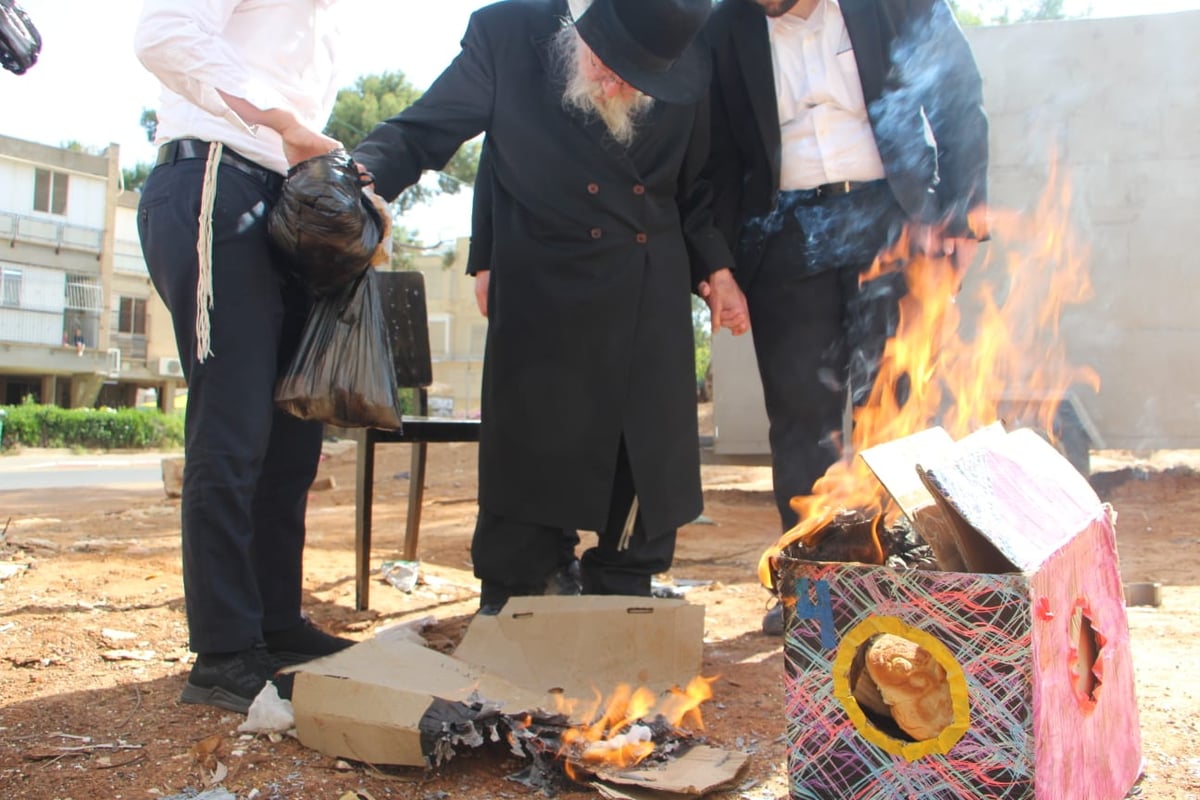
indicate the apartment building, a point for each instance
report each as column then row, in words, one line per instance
column 80, row 322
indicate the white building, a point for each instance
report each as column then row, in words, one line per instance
column 80, row 323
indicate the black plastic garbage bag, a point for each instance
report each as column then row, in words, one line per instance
column 343, row 373
column 324, row 224
column 20, row 41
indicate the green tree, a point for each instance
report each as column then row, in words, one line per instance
column 149, row 121
column 374, row 98
column 702, row 336
column 991, row 12
column 133, row 177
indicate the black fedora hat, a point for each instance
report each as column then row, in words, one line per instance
column 651, row 44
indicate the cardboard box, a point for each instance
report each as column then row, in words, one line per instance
column 1034, row 641
column 391, row 701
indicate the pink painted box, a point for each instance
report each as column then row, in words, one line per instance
column 1033, row 639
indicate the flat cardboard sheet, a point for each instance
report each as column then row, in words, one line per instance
column 697, row 772
column 581, row 646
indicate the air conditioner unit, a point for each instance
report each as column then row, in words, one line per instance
column 113, row 362
column 170, row 367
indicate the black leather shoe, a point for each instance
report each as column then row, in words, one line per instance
column 228, row 680
column 302, row 642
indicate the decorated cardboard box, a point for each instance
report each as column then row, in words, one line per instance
column 1028, row 647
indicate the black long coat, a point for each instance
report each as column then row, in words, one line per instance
column 595, row 253
column 924, row 100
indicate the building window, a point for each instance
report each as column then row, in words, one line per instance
column 83, row 293
column 10, row 287
column 439, row 335
column 132, row 317
column 50, row 191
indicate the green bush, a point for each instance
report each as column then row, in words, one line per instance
column 32, row 425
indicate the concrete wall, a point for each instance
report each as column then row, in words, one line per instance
column 1115, row 99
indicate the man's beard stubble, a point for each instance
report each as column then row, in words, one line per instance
column 619, row 113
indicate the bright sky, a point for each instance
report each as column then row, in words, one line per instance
column 87, row 85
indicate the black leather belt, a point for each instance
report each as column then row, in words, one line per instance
column 827, row 190
column 185, row 149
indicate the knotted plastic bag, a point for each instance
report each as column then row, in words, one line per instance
column 343, row 373
column 324, row 225
column 20, row 41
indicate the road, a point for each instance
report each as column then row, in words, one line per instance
column 60, row 469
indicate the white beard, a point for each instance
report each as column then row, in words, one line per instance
column 620, row 114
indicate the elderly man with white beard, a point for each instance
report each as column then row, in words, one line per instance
column 597, row 127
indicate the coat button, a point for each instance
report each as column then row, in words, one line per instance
column 642, row 238
column 593, row 188
column 639, row 189
column 596, row 233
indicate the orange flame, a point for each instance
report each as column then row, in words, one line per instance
column 930, row 375
column 614, row 737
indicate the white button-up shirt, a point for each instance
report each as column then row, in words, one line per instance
column 825, row 132
column 272, row 53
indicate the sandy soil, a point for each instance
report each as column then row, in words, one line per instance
column 75, row 725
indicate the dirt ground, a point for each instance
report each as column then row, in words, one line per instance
column 75, row 725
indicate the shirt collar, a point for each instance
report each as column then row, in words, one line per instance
column 792, row 22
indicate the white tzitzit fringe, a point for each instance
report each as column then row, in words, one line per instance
column 627, row 533
column 204, row 279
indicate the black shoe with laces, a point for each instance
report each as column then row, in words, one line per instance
column 302, row 642
column 229, row 680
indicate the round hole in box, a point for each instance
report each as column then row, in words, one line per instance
column 902, row 688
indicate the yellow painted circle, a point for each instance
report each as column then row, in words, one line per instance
column 911, row 751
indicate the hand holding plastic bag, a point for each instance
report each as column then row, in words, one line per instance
column 324, row 224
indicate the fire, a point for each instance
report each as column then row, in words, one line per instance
column 618, row 734
column 930, row 374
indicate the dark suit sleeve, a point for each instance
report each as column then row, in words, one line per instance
column 724, row 168
column 960, row 127
column 479, row 255
column 426, row 135
column 707, row 249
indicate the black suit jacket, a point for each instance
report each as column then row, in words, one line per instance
column 595, row 249
column 924, row 99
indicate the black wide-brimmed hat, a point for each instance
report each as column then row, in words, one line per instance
column 651, row 44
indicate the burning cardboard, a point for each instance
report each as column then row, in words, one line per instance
column 531, row 676
column 1032, row 644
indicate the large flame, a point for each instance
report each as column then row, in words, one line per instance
column 615, row 735
column 931, row 374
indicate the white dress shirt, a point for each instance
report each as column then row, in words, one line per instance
column 825, row 132
column 272, row 53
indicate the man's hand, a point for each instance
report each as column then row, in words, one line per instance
column 726, row 303
column 481, row 289
column 301, row 143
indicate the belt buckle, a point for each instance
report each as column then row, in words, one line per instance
column 834, row 189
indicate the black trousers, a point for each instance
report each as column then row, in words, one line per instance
column 817, row 335
column 248, row 466
column 514, row 558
